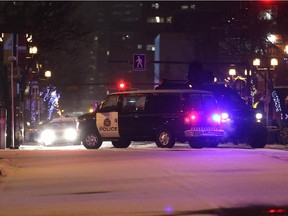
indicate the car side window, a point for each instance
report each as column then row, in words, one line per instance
column 109, row 104
column 133, row 103
column 164, row 103
column 192, row 101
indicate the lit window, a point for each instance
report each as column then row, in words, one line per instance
column 107, row 52
column 150, row 48
column 157, row 18
column 184, row 7
column 155, row 5
column 169, row 20
column 139, row 46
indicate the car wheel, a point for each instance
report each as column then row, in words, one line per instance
column 121, row 143
column 92, row 140
column 165, row 138
column 258, row 139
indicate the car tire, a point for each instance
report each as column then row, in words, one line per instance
column 259, row 138
column 92, row 140
column 121, row 143
column 165, row 138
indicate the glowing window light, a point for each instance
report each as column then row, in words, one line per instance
column 157, row 18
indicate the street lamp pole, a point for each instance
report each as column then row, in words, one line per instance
column 267, row 70
column 12, row 59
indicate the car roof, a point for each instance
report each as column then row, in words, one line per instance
column 154, row 91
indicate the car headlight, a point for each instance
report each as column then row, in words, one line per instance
column 47, row 136
column 70, row 134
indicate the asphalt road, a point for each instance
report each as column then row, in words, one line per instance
column 143, row 180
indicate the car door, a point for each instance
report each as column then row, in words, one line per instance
column 132, row 116
column 107, row 117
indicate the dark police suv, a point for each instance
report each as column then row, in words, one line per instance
column 241, row 123
column 163, row 116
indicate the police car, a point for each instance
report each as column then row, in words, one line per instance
column 241, row 123
column 163, row 116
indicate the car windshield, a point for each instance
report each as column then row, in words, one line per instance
column 60, row 125
column 226, row 100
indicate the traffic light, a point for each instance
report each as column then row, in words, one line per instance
column 122, row 86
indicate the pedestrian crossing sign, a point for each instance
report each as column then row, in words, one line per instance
column 139, row 62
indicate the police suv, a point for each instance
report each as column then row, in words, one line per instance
column 163, row 116
column 241, row 123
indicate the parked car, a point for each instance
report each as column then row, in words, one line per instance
column 163, row 116
column 241, row 122
column 60, row 130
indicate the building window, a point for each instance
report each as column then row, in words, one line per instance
column 150, row 48
column 139, row 46
column 155, row 5
column 169, row 19
column 155, row 19
column 187, row 7
column 184, row 7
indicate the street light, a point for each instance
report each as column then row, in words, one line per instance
column 266, row 68
column 47, row 74
column 256, row 62
column 33, row 50
column 232, row 72
column 286, row 49
column 274, row 62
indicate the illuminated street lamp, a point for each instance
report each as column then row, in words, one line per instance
column 256, row 62
column 232, row 72
column 274, row 62
column 33, row 50
column 272, row 38
column 266, row 69
column 286, row 49
column 47, row 74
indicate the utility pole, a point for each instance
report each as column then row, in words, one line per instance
column 12, row 59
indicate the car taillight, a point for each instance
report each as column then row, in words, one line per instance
column 203, row 118
column 191, row 118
